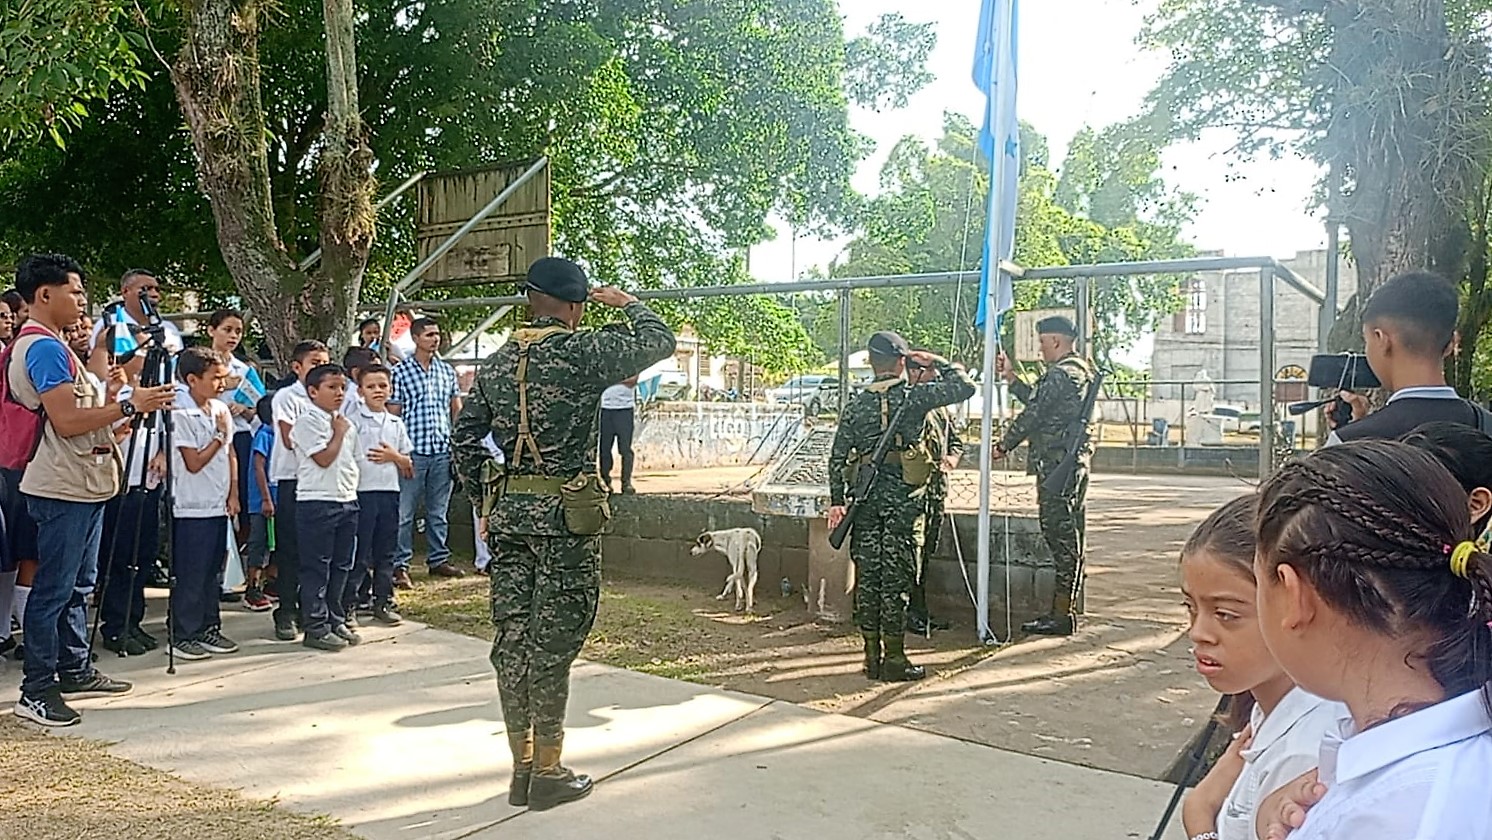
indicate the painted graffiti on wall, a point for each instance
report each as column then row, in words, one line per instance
column 694, row 435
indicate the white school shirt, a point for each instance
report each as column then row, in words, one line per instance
column 204, row 494
column 289, row 404
column 373, row 428
column 315, row 483
column 1419, row 777
column 1286, row 743
column 147, row 442
column 351, row 400
column 618, row 397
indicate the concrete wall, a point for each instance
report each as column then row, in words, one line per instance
column 652, row 534
column 673, row 436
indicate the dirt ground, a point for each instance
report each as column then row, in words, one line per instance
column 1120, row 695
column 55, row 788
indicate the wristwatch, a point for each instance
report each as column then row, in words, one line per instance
column 126, row 408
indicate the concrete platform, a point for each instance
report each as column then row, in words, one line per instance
column 402, row 738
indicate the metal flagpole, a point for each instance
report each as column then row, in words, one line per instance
column 1002, row 26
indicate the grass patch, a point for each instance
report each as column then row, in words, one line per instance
column 655, row 633
column 54, row 788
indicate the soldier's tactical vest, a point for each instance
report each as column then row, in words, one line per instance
column 584, row 498
column 915, row 458
column 1055, row 442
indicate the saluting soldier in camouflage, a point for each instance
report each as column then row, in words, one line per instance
column 889, row 522
column 1051, row 420
column 539, row 396
column 945, row 446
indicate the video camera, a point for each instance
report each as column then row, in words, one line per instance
column 1342, row 372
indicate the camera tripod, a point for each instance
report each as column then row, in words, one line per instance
column 157, row 429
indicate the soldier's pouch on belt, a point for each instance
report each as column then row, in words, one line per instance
column 584, row 502
column 492, row 485
column 917, row 465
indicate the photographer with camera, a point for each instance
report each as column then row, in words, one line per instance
column 138, row 306
column 73, row 471
column 1409, row 327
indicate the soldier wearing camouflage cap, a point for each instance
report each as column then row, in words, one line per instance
column 889, row 521
column 539, row 397
column 1051, row 419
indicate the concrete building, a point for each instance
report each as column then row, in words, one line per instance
column 1217, row 331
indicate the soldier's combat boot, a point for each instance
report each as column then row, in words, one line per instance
column 552, row 783
column 1061, row 623
column 522, row 745
column 896, row 667
column 872, row 667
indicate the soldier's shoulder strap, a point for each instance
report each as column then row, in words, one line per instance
column 1079, row 369
column 526, row 338
column 881, row 386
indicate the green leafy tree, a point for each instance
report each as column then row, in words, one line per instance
column 1390, row 97
column 930, row 217
column 673, row 131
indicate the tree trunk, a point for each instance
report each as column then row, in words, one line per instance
column 346, row 184
column 1477, row 308
column 1402, row 104
column 217, row 81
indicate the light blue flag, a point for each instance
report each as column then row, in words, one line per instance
column 121, row 338
column 251, row 390
column 995, row 74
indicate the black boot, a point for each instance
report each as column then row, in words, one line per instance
column 896, row 667
column 1060, row 623
column 522, row 747
column 553, row 784
column 918, row 624
column 872, row 667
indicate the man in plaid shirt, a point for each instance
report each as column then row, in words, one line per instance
column 428, row 398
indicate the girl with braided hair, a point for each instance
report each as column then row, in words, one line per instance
column 1278, row 726
column 1371, row 593
column 1467, row 453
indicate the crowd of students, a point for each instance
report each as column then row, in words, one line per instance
column 306, row 478
column 1345, row 607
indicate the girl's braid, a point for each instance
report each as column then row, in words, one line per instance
column 1363, row 510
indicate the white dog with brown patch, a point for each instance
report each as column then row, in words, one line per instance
column 740, row 546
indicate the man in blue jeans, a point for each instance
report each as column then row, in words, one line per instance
column 427, row 397
column 73, row 472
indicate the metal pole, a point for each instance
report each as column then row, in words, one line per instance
column 412, row 279
column 844, row 349
column 1266, row 372
column 477, row 331
column 1328, row 315
column 1004, row 23
column 315, row 256
column 1080, row 297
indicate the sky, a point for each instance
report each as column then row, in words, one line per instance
column 1079, row 65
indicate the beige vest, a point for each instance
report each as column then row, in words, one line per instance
column 85, row 468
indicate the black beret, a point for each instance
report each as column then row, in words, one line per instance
column 1056, row 325
column 887, row 343
column 558, row 278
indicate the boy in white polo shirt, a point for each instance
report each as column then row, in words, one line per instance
column 204, row 497
column 383, row 454
column 289, row 404
column 326, row 508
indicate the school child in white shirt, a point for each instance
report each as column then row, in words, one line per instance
column 1371, row 592
column 383, row 455
column 1284, row 724
column 289, row 403
column 204, row 497
column 326, row 509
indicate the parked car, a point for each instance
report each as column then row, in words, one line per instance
column 1227, row 416
column 814, row 392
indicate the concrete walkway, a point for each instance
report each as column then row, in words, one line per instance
column 402, row 738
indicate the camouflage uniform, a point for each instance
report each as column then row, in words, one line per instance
column 889, row 522
column 545, row 579
column 940, row 434
column 1051, row 418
